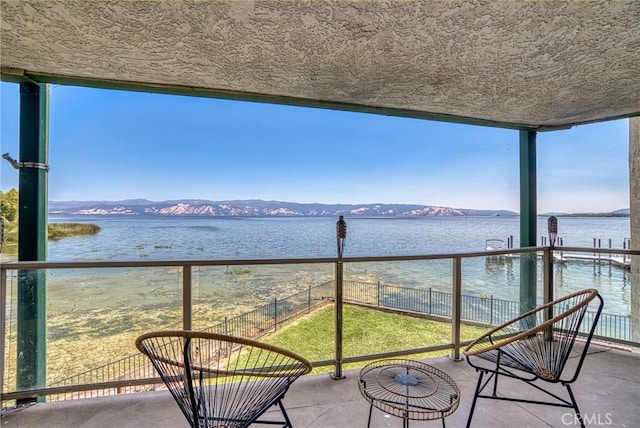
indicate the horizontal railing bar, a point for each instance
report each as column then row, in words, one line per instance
column 32, row 393
column 241, row 262
column 613, row 340
column 164, row 263
column 390, row 354
column 311, row 260
column 598, row 250
column 401, row 353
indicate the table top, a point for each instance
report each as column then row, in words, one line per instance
column 409, row 389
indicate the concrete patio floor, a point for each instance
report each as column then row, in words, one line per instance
column 607, row 392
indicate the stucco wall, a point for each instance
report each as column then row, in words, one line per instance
column 634, row 191
column 529, row 62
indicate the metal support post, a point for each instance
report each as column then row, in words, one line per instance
column 528, row 218
column 32, row 237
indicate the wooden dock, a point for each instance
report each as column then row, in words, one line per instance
column 612, row 259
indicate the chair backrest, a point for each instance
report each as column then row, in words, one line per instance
column 540, row 341
column 220, row 380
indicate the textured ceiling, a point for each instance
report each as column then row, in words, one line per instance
column 518, row 64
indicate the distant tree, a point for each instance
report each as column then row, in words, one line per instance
column 9, row 205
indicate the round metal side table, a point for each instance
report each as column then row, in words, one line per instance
column 408, row 389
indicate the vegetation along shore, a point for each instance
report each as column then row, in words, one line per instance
column 55, row 231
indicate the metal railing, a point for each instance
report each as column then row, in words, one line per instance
column 453, row 305
column 268, row 318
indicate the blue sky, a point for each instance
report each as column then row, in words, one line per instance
column 113, row 145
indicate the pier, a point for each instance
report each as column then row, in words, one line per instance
column 560, row 256
column 619, row 260
column 612, row 259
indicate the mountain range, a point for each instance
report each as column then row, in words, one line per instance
column 256, row 207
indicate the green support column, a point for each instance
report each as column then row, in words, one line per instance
column 32, row 236
column 528, row 218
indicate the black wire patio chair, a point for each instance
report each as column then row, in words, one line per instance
column 535, row 348
column 223, row 381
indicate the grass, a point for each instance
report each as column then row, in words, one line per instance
column 366, row 331
column 57, row 231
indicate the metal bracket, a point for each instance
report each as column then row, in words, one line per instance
column 17, row 165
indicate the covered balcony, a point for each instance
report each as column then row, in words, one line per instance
column 185, row 293
column 528, row 66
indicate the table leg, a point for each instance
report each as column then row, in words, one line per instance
column 370, row 410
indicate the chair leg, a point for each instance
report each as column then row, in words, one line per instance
column 284, row 413
column 475, row 398
column 575, row 405
column 495, row 380
column 370, row 410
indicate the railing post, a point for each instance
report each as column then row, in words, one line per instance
column 341, row 235
column 337, row 374
column 491, row 311
column 547, row 279
column 456, row 306
column 378, row 296
column 187, row 312
column 275, row 314
column 309, row 300
column 3, row 302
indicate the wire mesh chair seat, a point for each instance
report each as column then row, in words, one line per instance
column 535, row 347
column 221, row 381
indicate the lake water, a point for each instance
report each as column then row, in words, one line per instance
column 200, row 238
column 133, row 238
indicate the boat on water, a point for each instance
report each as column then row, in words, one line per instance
column 494, row 244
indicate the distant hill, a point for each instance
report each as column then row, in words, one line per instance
column 244, row 208
column 623, row 212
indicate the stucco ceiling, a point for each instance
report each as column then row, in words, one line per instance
column 528, row 65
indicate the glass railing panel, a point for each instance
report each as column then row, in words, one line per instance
column 9, row 312
column 396, row 306
column 608, row 273
column 93, row 317
column 260, row 301
column 492, row 292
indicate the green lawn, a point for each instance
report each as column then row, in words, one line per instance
column 366, row 331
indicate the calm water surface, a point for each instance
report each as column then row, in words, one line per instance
column 132, row 238
column 198, row 238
